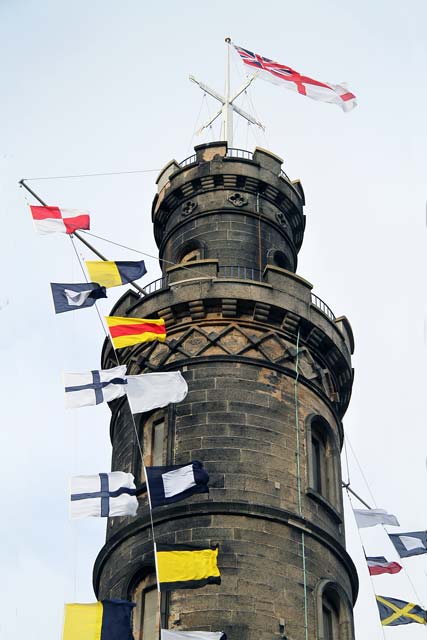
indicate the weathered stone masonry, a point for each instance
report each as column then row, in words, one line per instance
column 234, row 319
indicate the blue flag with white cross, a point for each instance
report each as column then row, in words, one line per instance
column 94, row 387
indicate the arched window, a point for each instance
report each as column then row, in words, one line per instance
column 146, row 617
column 334, row 618
column 191, row 251
column 281, row 260
column 153, row 441
column 323, row 462
column 194, row 254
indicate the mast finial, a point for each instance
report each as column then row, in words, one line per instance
column 228, row 40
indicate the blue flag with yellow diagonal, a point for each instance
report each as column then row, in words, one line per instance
column 394, row 612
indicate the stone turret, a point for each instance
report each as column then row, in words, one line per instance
column 268, row 367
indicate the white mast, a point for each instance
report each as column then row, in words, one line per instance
column 227, row 109
column 227, row 103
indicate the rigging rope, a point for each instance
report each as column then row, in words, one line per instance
column 92, row 175
column 129, row 406
column 384, row 529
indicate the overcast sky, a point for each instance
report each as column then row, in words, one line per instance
column 93, row 87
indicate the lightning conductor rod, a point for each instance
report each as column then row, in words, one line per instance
column 77, row 235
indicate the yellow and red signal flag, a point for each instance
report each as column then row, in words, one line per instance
column 126, row 332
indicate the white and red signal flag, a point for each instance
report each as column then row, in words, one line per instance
column 290, row 79
column 378, row 565
column 54, row 219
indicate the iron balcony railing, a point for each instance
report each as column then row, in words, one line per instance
column 188, row 160
column 240, row 273
column 231, row 153
column 237, row 272
column 156, row 285
column 318, row 302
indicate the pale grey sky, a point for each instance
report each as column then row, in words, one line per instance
column 103, row 86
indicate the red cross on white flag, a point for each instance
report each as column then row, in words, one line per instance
column 290, row 79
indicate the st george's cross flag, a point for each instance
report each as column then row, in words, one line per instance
column 288, row 78
column 113, row 274
column 378, row 565
column 395, row 612
column 69, row 297
column 182, row 566
column 126, row 332
column 54, row 219
column 103, row 495
column 94, row 387
column 154, row 390
column 175, row 482
column 168, row 634
column 105, row 620
column 370, row 517
column 411, row 543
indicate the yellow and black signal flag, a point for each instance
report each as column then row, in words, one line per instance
column 394, row 612
column 113, row 274
column 106, row 620
column 182, row 566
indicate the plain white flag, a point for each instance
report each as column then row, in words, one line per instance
column 167, row 634
column 103, row 495
column 371, row 517
column 153, row 390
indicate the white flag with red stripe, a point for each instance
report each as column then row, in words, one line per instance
column 290, row 79
column 54, row 219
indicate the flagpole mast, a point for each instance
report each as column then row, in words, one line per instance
column 75, row 233
column 227, row 109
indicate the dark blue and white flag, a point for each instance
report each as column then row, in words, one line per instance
column 177, row 482
column 94, row 387
column 104, row 495
column 69, row 297
column 412, row 543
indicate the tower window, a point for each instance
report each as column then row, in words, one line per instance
column 153, row 442
column 281, row 260
column 329, row 623
column 191, row 256
column 146, row 621
column 323, row 461
column 334, row 617
column 191, row 251
column 157, row 438
column 318, row 462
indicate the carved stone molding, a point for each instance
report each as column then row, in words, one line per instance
column 233, row 340
column 188, row 207
column 237, row 200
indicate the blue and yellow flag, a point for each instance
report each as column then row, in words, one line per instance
column 106, row 620
column 181, row 566
column 113, row 274
column 394, row 612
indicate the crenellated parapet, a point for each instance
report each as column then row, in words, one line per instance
column 210, row 202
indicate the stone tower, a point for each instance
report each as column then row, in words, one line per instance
column 269, row 373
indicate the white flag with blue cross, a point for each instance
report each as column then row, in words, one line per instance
column 94, row 387
column 103, row 495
